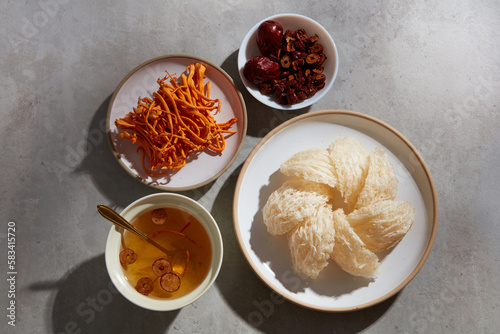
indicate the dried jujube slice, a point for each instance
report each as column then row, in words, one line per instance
column 170, row 282
column 127, row 256
column 159, row 216
column 144, row 286
column 161, row 267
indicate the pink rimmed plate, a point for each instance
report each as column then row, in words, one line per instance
column 201, row 168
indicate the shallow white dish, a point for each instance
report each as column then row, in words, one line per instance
column 149, row 203
column 201, row 168
column 333, row 290
column 249, row 49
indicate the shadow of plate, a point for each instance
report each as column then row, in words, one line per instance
column 86, row 301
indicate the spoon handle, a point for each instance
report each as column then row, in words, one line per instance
column 118, row 220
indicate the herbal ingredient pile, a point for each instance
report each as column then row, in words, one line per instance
column 339, row 204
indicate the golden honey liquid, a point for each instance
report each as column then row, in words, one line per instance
column 198, row 245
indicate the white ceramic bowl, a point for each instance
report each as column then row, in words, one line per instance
column 200, row 169
column 249, row 49
column 148, row 203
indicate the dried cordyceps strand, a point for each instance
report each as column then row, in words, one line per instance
column 145, row 286
column 159, row 216
column 170, row 282
column 161, row 267
column 187, row 261
column 127, row 256
column 321, row 59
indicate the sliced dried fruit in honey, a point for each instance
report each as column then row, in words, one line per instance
column 350, row 164
column 313, row 165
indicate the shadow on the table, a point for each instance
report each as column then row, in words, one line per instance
column 86, row 301
column 106, row 173
column 257, row 304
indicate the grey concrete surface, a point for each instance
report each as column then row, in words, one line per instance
column 429, row 69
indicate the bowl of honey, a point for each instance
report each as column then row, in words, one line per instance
column 159, row 280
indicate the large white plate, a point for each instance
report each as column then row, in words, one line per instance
column 201, row 168
column 333, row 290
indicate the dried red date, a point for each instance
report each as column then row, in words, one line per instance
column 261, row 69
column 269, row 37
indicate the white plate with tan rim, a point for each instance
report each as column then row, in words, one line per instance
column 333, row 290
column 201, row 168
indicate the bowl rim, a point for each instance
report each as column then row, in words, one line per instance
column 269, row 102
column 140, row 205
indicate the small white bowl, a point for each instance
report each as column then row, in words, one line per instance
column 148, row 203
column 249, row 49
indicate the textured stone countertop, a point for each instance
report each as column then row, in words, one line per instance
column 430, row 69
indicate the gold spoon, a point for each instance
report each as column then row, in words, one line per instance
column 118, row 220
